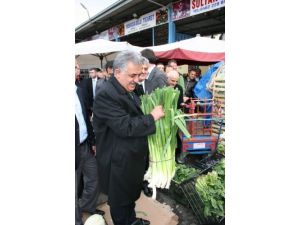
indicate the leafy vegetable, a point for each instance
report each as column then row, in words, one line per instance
column 221, row 149
column 212, row 192
column 183, row 172
column 220, row 169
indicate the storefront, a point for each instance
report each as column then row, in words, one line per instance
column 150, row 23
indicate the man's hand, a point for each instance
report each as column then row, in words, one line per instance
column 94, row 150
column 185, row 99
column 157, row 112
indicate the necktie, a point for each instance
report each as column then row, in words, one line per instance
column 133, row 98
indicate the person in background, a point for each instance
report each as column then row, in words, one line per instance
column 156, row 78
column 168, row 68
column 140, row 87
column 198, row 74
column 101, row 79
column 78, row 79
column 160, row 66
column 190, row 82
column 173, row 64
column 172, row 78
column 109, row 69
column 85, row 161
column 121, row 131
column 89, row 87
column 99, row 73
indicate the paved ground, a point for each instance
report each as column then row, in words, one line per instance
column 185, row 214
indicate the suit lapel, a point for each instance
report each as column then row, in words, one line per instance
column 151, row 74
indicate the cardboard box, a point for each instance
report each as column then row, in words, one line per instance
column 148, row 209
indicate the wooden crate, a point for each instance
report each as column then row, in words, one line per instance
column 219, row 102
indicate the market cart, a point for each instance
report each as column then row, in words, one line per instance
column 199, row 122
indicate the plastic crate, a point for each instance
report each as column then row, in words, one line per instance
column 175, row 191
column 196, row 203
column 205, row 163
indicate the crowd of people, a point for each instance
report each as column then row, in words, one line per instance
column 111, row 148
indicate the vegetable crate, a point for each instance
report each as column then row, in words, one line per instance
column 196, row 203
column 183, row 172
column 206, row 163
column 200, row 125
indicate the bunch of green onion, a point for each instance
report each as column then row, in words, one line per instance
column 163, row 143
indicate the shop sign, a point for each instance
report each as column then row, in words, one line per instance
column 161, row 16
column 180, row 9
column 201, row 6
column 144, row 22
column 113, row 33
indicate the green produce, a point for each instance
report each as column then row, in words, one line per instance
column 163, row 143
column 212, row 192
column 183, row 172
column 220, row 169
column 221, row 149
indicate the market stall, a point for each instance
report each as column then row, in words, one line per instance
column 198, row 49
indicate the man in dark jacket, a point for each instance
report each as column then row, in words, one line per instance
column 190, row 82
column 121, row 131
column 85, row 161
column 156, row 77
column 140, row 87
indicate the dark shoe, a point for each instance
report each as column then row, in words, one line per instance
column 147, row 190
column 140, row 221
column 100, row 212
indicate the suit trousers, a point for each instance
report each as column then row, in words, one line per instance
column 123, row 215
column 88, row 168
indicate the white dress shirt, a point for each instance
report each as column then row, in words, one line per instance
column 94, row 85
column 79, row 116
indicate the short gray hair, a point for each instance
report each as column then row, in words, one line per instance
column 173, row 74
column 145, row 61
column 124, row 57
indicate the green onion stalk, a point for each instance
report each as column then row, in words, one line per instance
column 163, row 142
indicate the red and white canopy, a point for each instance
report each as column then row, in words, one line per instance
column 199, row 49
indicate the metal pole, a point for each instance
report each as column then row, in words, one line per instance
column 83, row 6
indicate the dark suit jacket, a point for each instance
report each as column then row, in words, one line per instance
column 156, row 79
column 139, row 91
column 180, row 99
column 91, row 136
column 87, row 86
column 99, row 83
column 189, row 87
column 121, row 131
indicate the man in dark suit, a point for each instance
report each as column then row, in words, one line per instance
column 140, row 87
column 156, row 77
column 101, row 79
column 89, row 88
column 85, row 161
column 121, row 131
column 190, row 82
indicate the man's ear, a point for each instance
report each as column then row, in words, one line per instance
column 117, row 73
